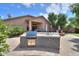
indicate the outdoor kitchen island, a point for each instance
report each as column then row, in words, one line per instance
column 40, row 39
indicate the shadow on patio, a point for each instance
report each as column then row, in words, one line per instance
column 44, row 49
column 76, row 46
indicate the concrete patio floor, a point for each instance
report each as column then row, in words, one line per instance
column 15, row 50
column 68, row 47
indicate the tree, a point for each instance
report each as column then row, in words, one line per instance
column 52, row 19
column 57, row 20
column 74, row 22
column 75, row 10
column 0, row 17
column 4, row 47
column 9, row 16
column 61, row 21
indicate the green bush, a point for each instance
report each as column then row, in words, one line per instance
column 76, row 30
column 15, row 31
column 4, row 47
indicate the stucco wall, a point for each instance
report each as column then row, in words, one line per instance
column 42, row 26
column 21, row 21
column 18, row 21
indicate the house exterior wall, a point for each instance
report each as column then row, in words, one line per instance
column 18, row 21
column 42, row 27
column 22, row 21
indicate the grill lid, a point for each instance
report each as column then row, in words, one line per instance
column 31, row 34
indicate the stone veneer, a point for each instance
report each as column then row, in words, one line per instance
column 43, row 41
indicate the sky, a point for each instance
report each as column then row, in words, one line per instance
column 34, row 9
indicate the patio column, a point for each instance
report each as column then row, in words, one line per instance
column 46, row 27
column 30, row 25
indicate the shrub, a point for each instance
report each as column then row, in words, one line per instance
column 76, row 30
column 4, row 47
column 15, row 31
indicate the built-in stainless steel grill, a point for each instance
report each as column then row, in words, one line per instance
column 31, row 34
column 40, row 39
column 31, row 37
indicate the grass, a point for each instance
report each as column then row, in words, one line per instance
column 76, row 34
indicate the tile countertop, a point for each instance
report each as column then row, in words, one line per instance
column 45, row 34
column 50, row 34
